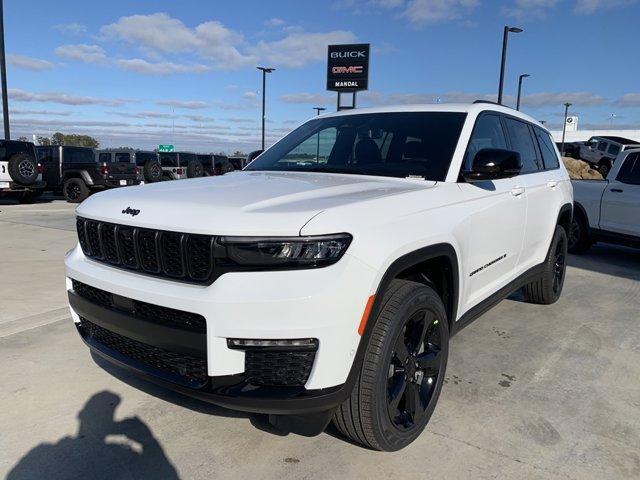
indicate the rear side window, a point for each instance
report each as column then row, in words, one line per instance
column 613, row 149
column 78, row 155
column 104, row 157
column 630, row 170
column 123, row 157
column 168, row 159
column 549, row 156
column 522, row 142
column 143, row 157
column 9, row 149
column 185, row 158
column 487, row 133
column 602, row 146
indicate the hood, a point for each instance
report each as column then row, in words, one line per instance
column 239, row 203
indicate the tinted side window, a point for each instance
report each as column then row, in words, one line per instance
column 630, row 170
column 104, row 157
column 549, row 156
column 168, row 159
column 78, row 155
column 487, row 133
column 602, row 146
column 613, row 149
column 522, row 142
column 123, row 157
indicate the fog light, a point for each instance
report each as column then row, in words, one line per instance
column 286, row 344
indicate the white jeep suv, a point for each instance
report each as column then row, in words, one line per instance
column 325, row 280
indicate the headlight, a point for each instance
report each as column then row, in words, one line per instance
column 288, row 252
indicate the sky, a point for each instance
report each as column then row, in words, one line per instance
column 142, row 73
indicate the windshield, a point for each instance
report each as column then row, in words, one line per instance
column 383, row 144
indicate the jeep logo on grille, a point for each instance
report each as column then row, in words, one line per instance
column 130, row 211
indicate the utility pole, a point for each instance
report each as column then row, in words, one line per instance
column 318, row 110
column 564, row 126
column 524, row 75
column 3, row 74
column 505, row 39
column 264, row 70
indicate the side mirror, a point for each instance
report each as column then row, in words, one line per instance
column 493, row 164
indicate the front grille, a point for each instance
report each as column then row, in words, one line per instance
column 191, row 368
column 179, row 256
column 169, row 317
column 278, row 368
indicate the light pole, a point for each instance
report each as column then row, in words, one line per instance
column 318, row 110
column 505, row 38
column 265, row 70
column 564, row 126
column 524, row 75
column 3, row 74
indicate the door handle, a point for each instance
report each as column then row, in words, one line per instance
column 552, row 184
column 617, row 190
column 517, row 191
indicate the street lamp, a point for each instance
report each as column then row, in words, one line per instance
column 318, row 110
column 564, row 126
column 524, row 75
column 264, row 70
column 505, row 38
column 3, row 74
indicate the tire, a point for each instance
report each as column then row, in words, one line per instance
column 579, row 240
column 75, row 190
column 194, row 169
column 370, row 416
column 23, row 169
column 546, row 289
column 30, row 196
column 152, row 171
column 604, row 166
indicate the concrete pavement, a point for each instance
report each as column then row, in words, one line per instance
column 536, row 392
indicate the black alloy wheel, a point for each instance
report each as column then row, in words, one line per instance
column 414, row 369
column 559, row 265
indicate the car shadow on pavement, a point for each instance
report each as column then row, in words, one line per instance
column 612, row 260
column 103, row 448
column 259, row 421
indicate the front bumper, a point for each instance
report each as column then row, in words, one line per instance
column 325, row 304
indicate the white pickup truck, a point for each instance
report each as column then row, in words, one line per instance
column 608, row 210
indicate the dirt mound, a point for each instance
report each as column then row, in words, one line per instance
column 579, row 170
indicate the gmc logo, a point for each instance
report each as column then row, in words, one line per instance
column 358, row 54
column 357, row 69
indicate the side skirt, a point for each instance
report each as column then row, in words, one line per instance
column 491, row 301
column 614, row 237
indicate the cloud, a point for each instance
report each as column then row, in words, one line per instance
column 141, row 114
column 426, row 12
column 250, row 95
column 139, row 65
column 20, row 111
column 529, row 8
column 310, row 98
column 71, row 28
column 629, row 100
column 275, row 22
column 61, row 98
column 82, row 52
column 186, row 104
column 300, row 48
column 28, row 63
column 587, row 7
column 579, row 99
column 388, row 3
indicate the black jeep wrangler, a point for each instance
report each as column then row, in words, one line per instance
column 215, row 164
column 147, row 162
column 78, row 171
column 20, row 173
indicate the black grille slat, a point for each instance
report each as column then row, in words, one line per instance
column 126, row 246
column 170, row 317
column 179, row 256
column 148, row 250
column 93, row 238
column 278, row 368
column 109, row 244
column 172, row 245
column 192, row 368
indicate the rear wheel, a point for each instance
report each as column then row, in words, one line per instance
column 75, row 190
column 194, row 169
column 546, row 289
column 604, row 166
column 403, row 369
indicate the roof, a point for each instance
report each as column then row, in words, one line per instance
column 622, row 140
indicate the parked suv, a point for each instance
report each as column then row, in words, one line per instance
column 20, row 172
column 179, row 165
column 215, row 164
column 78, row 171
column 147, row 162
column 328, row 289
column 602, row 151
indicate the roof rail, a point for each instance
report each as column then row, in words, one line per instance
column 490, row 102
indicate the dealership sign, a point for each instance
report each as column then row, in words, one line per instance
column 348, row 67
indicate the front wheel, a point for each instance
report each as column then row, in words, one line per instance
column 546, row 289
column 401, row 376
